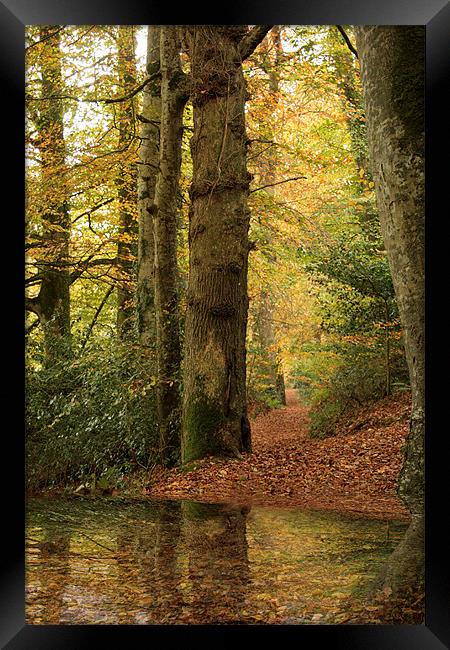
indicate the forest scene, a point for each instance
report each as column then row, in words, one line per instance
column 224, row 270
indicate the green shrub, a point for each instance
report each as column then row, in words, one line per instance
column 324, row 418
column 92, row 415
column 359, row 378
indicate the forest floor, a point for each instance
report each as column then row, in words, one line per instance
column 354, row 472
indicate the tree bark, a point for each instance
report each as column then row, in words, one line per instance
column 173, row 98
column 215, row 418
column 392, row 65
column 147, row 173
column 126, row 186
column 52, row 304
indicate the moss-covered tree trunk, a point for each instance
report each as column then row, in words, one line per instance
column 147, row 173
column 392, row 65
column 52, row 304
column 126, row 185
column 173, row 98
column 347, row 79
column 214, row 408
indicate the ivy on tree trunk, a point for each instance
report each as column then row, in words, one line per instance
column 52, row 304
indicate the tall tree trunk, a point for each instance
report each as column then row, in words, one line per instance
column 52, row 304
column 349, row 82
column 214, row 409
column 147, row 173
column 173, row 99
column 392, row 65
column 126, row 185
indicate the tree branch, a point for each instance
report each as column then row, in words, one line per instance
column 37, row 277
column 96, row 207
column 134, row 92
column 96, row 315
column 89, row 263
column 104, row 100
column 252, row 39
column 46, row 38
column 286, row 180
column 347, row 40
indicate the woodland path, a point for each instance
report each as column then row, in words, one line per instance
column 354, row 472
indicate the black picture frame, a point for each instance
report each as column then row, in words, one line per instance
column 435, row 15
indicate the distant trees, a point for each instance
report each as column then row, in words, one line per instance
column 51, row 303
column 269, row 366
column 392, row 64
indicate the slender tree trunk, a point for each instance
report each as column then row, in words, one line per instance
column 173, row 98
column 269, row 366
column 147, row 173
column 392, row 64
column 126, row 185
column 52, row 304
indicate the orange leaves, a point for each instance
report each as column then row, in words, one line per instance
column 355, row 471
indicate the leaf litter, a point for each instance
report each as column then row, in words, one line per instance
column 355, row 471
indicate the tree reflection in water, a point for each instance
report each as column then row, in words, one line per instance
column 112, row 561
column 215, row 537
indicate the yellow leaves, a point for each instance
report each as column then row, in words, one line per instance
column 263, row 596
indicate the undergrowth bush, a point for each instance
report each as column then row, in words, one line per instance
column 358, row 379
column 94, row 415
column 262, row 391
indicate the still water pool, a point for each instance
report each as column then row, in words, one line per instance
column 118, row 561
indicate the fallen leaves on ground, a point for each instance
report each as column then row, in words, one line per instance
column 355, row 471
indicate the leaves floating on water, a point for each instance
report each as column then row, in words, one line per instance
column 185, row 563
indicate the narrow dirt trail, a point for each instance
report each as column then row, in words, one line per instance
column 280, row 426
column 355, row 471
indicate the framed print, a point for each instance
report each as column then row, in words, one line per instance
column 214, row 534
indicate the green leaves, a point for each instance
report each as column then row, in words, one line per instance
column 90, row 415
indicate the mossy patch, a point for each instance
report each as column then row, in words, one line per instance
column 202, row 423
column 197, row 510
